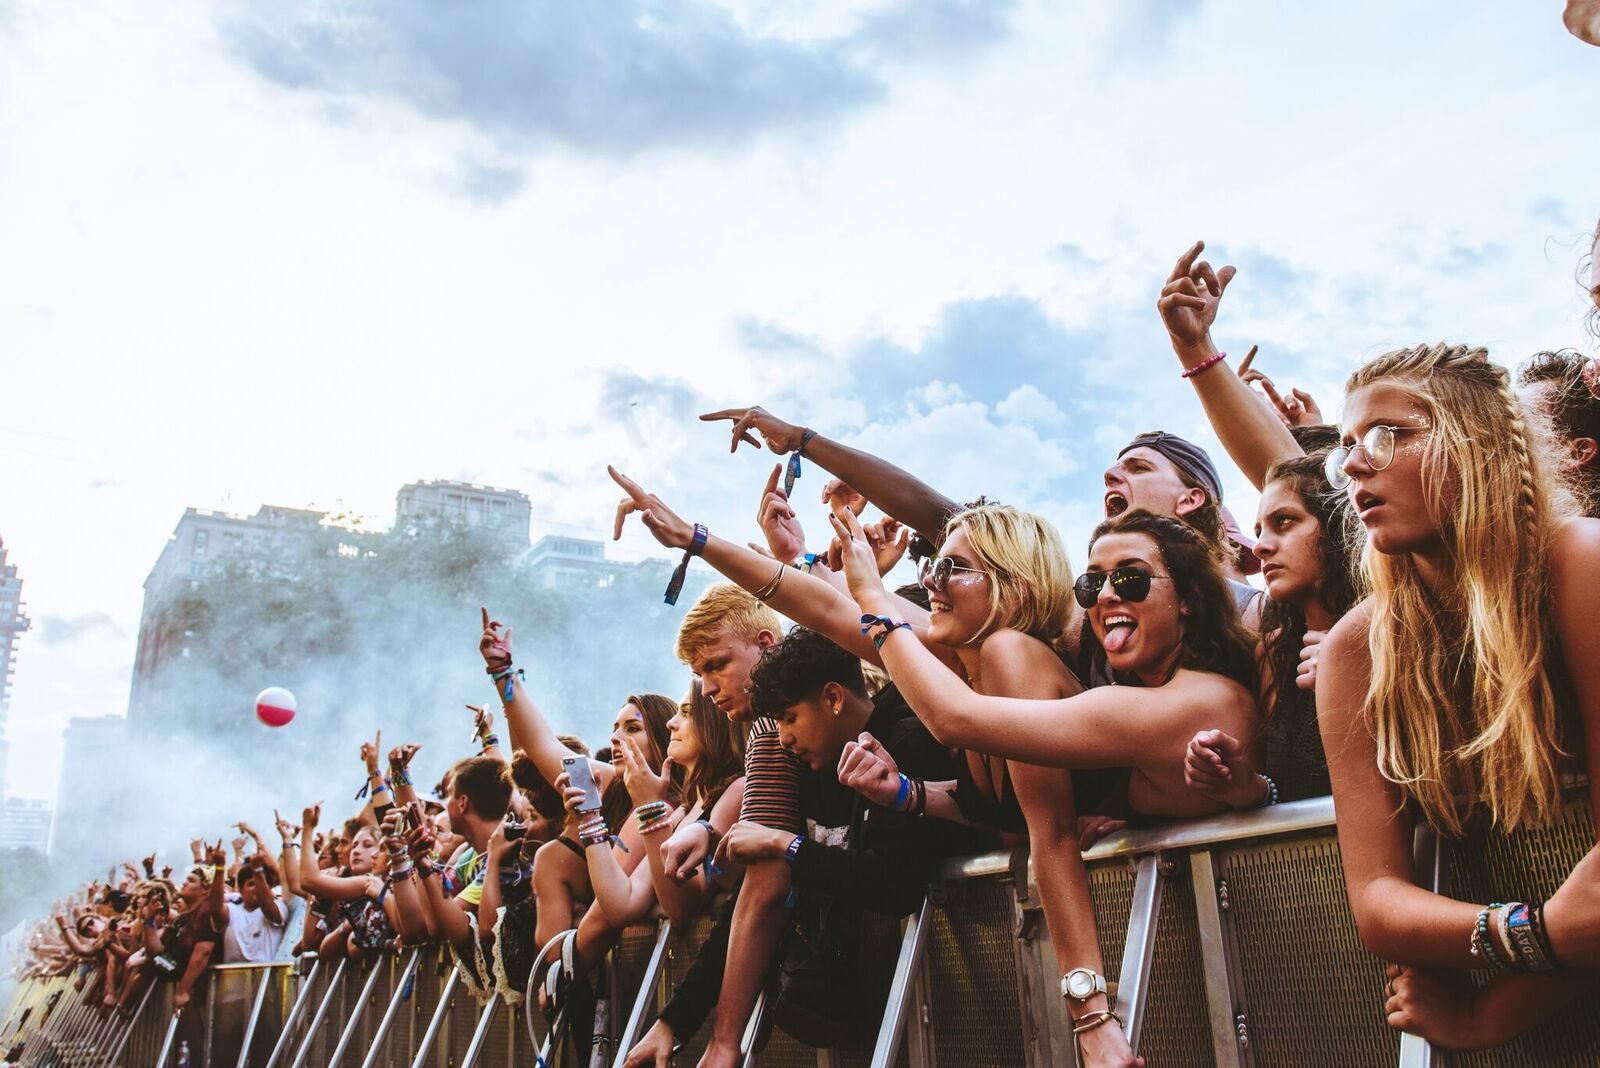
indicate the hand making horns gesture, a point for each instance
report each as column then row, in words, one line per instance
column 1189, row 300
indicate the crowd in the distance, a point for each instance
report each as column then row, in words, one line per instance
column 1416, row 644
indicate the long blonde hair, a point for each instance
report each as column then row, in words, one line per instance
column 1460, row 705
column 1030, row 577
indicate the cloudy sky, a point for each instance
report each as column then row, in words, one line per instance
column 304, row 253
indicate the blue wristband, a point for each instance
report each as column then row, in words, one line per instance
column 794, row 849
column 905, row 792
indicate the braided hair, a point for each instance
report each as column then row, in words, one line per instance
column 1460, row 706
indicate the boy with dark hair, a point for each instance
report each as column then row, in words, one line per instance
column 854, row 856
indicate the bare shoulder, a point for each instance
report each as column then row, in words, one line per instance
column 1349, row 636
column 1575, row 552
column 1018, row 664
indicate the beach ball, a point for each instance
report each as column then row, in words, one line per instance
column 275, row 706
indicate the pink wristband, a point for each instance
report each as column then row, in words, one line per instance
column 1205, row 363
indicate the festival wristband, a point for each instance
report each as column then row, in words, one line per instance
column 681, row 572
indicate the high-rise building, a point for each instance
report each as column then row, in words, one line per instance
column 504, row 510
column 96, row 791
column 13, row 621
column 25, row 824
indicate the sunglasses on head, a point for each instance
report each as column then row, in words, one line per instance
column 1129, row 583
column 936, row 572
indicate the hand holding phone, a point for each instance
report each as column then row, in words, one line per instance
column 581, row 776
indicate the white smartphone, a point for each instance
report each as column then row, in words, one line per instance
column 581, row 775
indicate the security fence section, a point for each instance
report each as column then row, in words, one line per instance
column 1229, row 940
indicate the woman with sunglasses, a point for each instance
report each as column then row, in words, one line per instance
column 998, row 595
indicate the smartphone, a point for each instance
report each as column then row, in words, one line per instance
column 581, row 775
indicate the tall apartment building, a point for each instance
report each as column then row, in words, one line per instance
column 504, row 510
column 202, row 542
column 97, row 790
column 13, row 622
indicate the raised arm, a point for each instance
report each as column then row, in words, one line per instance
column 897, row 492
column 313, row 881
column 289, row 861
column 529, row 729
column 400, row 773
column 805, row 599
column 1254, row 437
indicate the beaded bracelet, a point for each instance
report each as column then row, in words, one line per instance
column 1272, row 792
column 1209, row 361
column 652, row 816
column 1483, row 947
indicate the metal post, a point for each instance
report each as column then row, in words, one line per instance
column 902, row 989
column 255, row 1017
column 432, row 1034
column 647, row 992
column 1428, row 859
column 410, row 969
column 1133, row 980
column 127, row 1032
column 351, row 1025
column 480, row 1034
column 752, row 1029
column 321, row 1014
column 286, row 1036
column 1214, row 960
column 166, row 1043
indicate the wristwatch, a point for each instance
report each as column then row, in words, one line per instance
column 1081, row 984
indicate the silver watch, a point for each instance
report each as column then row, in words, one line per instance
column 1081, row 984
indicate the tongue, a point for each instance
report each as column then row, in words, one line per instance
column 1116, row 638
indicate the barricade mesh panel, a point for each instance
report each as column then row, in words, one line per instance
column 972, row 963
column 1522, row 866
column 1177, row 1029
column 1310, row 992
column 232, row 996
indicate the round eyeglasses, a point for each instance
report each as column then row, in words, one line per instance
column 936, row 572
column 1378, row 445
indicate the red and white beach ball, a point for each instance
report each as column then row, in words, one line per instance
column 275, row 706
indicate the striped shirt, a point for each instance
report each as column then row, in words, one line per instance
column 771, row 780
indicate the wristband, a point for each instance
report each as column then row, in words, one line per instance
column 791, row 472
column 490, row 741
column 1209, row 361
column 805, row 439
column 903, row 793
column 880, row 627
column 793, row 850
column 681, row 572
column 398, row 775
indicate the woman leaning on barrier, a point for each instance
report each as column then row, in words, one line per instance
column 1462, row 689
column 1159, row 617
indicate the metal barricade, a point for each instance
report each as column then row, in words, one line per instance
column 1230, row 939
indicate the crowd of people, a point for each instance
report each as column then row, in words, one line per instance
column 1415, row 643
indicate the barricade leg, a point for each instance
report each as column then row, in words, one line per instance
column 480, row 1034
column 1214, row 958
column 903, row 989
column 127, row 1031
column 425, row 1047
column 257, row 1003
column 308, row 1042
column 308, row 984
column 353, row 1024
column 634, row 1028
column 402, row 990
column 1133, row 980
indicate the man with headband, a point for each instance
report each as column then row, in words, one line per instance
column 1172, row 476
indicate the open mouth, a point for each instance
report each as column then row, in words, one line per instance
column 1116, row 504
column 936, row 605
column 1119, row 631
column 1365, row 502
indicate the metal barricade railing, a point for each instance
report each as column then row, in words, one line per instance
column 1230, row 938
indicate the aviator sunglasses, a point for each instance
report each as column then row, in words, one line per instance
column 936, row 572
column 1377, row 443
column 1129, row 583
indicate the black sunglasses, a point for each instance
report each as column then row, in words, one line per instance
column 1129, row 583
